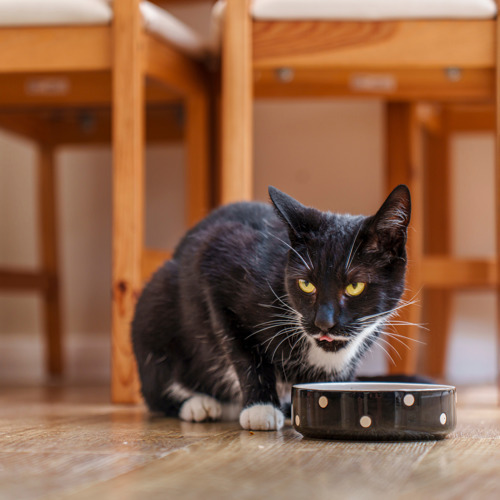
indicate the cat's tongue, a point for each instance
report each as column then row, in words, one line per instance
column 326, row 337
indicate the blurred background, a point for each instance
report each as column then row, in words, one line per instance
column 326, row 153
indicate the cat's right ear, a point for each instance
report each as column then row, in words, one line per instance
column 297, row 216
column 388, row 227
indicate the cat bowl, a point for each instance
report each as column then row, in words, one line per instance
column 373, row 410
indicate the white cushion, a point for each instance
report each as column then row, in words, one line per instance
column 16, row 13
column 372, row 9
column 159, row 22
column 54, row 12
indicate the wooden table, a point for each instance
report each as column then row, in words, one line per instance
column 72, row 444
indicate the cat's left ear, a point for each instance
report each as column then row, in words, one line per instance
column 390, row 224
column 299, row 218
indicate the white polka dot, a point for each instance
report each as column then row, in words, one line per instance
column 442, row 418
column 409, row 399
column 323, row 402
column 297, row 420
column 365, row 421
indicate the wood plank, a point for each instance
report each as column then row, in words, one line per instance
column 470, row 118
column 453, row 273
column 24, row 125
column 75, row 48
column 198, row 169
column 49, row 241
column 61, row 442
column 388, row 83
column 68, row 89
column 374, row 44
column 437, row 304
column 128, row 193
column 19, row 280
column 404, row 166
column 174, row 69
column 237, row 104
column 90, row 125
column 497, row 196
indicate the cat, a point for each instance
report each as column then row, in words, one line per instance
column 259, row 294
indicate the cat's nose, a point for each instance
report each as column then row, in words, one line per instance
column 325, row 317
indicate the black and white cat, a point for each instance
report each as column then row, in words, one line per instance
column 255, row 296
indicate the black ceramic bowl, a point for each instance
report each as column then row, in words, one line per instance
column 373, row 410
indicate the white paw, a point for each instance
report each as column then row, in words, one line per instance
column 199, row 408
column 262, row 417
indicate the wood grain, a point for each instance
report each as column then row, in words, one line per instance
column 70, row 443
column 69, row 89
column 174, row 69
column 198, row 169
column 405, row 166
column 21, row 280
column 453, row 273
column 471, row 118
column 49, row 259
column 366, row 82
column 152, row 259
column 497, row 192
column 90, row 125
column 74, row 48
column 128, row 193
column 237, row 104
column 410, row 44
column 437, row 240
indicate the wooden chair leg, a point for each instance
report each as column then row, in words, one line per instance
column 128, row 195
column 404, row 166
column 49, row 259
column 437, row 224
column 198, row 178
column 237, row 103
column 497, row 196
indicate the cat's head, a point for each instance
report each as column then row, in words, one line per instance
column 345, row 274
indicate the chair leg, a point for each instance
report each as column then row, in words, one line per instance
column 198, row 178
column 404, row 165
column 497, row 197
column 49, row 259
column 437, row 303
column 128, row 194
column 237, row 103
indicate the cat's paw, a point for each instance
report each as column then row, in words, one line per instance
column 199, row 408
column 262, row 417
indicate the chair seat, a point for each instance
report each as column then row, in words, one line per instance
column 372, row 9
column 19, row 13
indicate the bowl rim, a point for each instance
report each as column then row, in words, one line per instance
column 372, row 387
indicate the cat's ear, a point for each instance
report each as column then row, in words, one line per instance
column 298, row 217
column 389, row 225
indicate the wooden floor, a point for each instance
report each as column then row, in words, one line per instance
column 70, row 443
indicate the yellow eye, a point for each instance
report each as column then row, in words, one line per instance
column 306, row 286
column 355, row 289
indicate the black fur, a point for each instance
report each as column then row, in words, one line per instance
column 219, row 318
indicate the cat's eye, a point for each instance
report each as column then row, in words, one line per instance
column 306, row 286
column 355, row 289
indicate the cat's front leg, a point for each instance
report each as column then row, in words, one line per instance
column 261, row 405
column 262, row 417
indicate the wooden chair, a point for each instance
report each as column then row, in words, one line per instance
column 120, row 58
column 275, row 49
column 445, row 274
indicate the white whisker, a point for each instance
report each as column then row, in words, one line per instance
column 293, row 250
column 351, row 253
